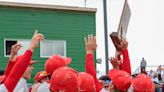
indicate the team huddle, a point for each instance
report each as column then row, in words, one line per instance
column 58, row 77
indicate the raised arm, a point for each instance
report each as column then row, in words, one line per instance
column 21, row 65
column 126, row 61
column 90, row 46
column 11, row 62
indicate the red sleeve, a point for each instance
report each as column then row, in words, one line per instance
column 120, row 66
column 9, row 68
column 17, row 71
column 119, row 58
column 126, row 62
column 91, row 70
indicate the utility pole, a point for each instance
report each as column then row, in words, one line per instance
column 106, row 34
column 85, row 1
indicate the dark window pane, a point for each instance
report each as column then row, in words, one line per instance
column 8, row 46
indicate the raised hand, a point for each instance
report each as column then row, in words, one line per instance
column 90, row 43
column 123, row 45
column 115, row 62
column 37, row 37
column 14, row 50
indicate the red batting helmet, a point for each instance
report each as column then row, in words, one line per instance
column 143, row 83
column 40, row 75
column 55, row 62
column 86, row 82
column 120, row 79
column 64, row 78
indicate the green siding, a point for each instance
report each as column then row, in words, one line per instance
column 71, row 26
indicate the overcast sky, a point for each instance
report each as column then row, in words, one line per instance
column 145, row 32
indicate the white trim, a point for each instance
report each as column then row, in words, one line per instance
column 43, row 6
column 65, row 50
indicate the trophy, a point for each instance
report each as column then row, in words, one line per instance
column 115, row 39
column 124, row 21
column 122, row 28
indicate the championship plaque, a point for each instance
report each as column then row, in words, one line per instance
column 124, row 21
column 116, row 41
column 122, row 28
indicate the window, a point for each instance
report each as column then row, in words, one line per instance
column 8, row 45
column 51, row 47
column 47, row 47
column 9, row 42
column 25, row 43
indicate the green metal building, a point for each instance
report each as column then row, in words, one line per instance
column 64, row 29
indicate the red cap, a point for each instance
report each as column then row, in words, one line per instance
column 55, row 62
column 143, row 83
column 86, row 82
column 120, row 79
column 112, row 73
column 2, row 78
column 64, row 78
column 40, row 75
column 21, row 56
